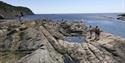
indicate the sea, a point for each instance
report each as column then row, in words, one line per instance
column 108, row 22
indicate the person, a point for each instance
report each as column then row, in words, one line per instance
column 62, row 20
column 90, row 31
column 97, row 33
column 20, row 17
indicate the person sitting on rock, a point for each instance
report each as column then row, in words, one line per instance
column 97, row 33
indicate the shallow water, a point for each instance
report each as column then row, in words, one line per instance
column 78, row 39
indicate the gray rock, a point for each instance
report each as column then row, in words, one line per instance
column 42, row 46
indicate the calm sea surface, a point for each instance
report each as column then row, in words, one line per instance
column 106, row 21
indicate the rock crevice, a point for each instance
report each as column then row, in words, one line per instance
column 39, row 45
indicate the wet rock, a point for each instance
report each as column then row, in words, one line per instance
column 121, row 17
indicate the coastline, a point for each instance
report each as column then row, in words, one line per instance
column 45, row 42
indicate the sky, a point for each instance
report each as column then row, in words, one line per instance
column 71, row 6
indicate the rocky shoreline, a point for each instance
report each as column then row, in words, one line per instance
column 42, row 41
column 121, row 17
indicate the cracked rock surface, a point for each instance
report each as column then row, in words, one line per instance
column 110, row 50
column 43, row 43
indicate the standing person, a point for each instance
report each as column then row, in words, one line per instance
column 90, row 31
column 97, row 33
column 20, row 17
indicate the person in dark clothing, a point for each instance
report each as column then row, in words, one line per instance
column 21, row 14
column 97, row 33
column 90, row 31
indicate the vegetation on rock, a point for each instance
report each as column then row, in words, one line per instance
column 9, row 11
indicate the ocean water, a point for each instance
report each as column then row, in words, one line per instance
column 106, row 21
column 98, row 16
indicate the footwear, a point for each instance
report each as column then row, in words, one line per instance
column 89, row 38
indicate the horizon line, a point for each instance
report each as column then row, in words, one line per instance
column 82, row 13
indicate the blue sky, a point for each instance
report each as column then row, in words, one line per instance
column 71, row 6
